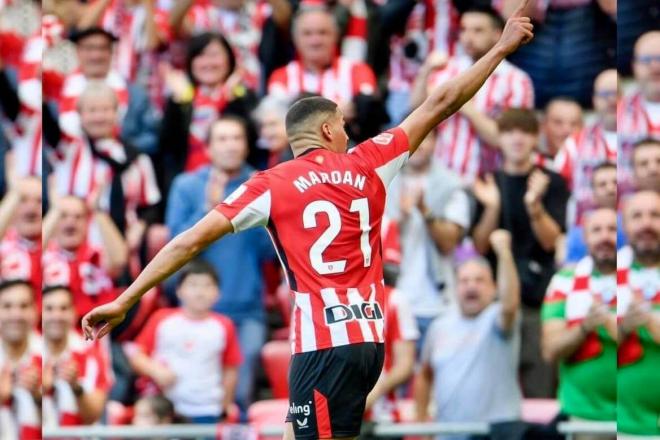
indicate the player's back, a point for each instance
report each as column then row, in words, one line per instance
column 323, row 211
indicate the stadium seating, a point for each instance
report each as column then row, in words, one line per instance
column 268, row 412
column 275, row 356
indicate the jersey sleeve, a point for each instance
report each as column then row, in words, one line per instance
column 146, row 340
column 231, row 357
column 385, row 153
column 249, row 205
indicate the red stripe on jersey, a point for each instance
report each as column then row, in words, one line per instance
column 353, row 328
column 468, row 154
column 357, row 27
column 321, row 330
column 372, row 324
column 322, row 415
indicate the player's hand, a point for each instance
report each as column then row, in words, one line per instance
column 500, row 241
column 107, row 316
column 596, row 316
column 517, row 31
column 486, row 191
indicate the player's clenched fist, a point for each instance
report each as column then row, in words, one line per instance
column 500, row 241
column 517, row 31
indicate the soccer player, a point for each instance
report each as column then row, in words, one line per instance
column 323, row 210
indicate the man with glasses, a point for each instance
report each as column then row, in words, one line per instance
column 594, row 144
column 639, row 114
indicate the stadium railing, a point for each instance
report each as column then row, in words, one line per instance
column 382, row 430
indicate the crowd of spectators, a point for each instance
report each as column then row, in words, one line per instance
column 521, row 241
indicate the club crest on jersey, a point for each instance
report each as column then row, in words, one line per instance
column 383, row 139
column 342, row 313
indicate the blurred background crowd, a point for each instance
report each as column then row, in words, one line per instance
column 522, row 241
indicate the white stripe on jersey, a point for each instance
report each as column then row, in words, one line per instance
column 338, row 330
column 354, row 297
column 307, row 330
column 391, row 169
column 254, row 214
column 380, row 323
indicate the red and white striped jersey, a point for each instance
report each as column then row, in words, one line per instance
column 578, row 157
column 636, row 119
column 73, row 87
column 354, row 42
column 197, row 351
column 82, row 272
column 458, row 146
column 400, row 325
column 323, row 211
column 26, row 146
column 20, row 259
column 339, row 82
column 129, row 22
column 403, row 70
column 60, row 405
column 443, row 20
column 20, row 416
column 77, row 171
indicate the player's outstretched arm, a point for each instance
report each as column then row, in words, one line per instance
column 450, row 96
column 183, row 248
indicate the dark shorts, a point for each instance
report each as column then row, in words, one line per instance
column 328, row 389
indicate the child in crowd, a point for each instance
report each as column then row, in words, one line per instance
column 190, row 352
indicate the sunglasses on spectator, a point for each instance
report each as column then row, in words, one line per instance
column 647, row 59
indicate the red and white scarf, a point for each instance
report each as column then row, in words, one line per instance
column 129, row 23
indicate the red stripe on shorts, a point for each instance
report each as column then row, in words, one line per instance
column 322, row 415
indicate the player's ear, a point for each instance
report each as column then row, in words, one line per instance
column 326, row 131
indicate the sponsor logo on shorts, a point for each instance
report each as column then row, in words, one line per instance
column 341, row 312
column 299, row 411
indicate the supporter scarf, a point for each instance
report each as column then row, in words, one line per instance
column 587, row 286
column 633, row 280
column 119, row 157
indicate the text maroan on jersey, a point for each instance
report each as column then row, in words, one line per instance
column 304, row 182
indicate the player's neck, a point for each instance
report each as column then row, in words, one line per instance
column 15, row 351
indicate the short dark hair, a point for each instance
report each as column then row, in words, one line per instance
column 495, row 17
column 228, row 117
column 161, row 406
column 198, row 43
column 644, row 142
column 603, row 166
column 8, row 284
column 197, row 267
column 561, row 98
column 305, row 108
column 518, row 119
column 55, row 288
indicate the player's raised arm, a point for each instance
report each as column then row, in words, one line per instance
column 450, row 96
column 183, row 248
